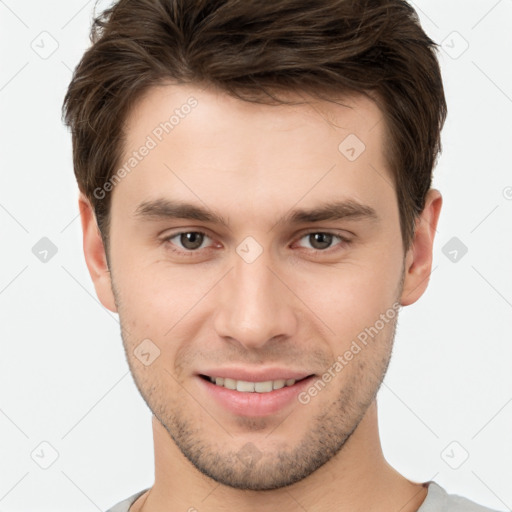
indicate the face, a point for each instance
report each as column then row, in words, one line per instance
column 255, row 243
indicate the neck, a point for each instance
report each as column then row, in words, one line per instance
column 358, row 477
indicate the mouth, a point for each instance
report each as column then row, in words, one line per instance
column 244, row 386
column 254, row 398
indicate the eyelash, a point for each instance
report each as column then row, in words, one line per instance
column 189, row 253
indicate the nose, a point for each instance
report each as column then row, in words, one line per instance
column 255, row 304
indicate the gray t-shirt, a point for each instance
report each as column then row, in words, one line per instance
column 437, row 500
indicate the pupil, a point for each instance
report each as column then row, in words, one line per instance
column 320, row 240
column 191, row 240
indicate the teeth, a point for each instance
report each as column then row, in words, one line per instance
column 263, row 387
column 229, row 383
column 242, row 385
column 252, row 387
column 278, row 384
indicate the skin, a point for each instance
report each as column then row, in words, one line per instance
column 298, row 305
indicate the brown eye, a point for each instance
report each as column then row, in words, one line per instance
column 191, row 240
column 187, row 241
column 323, row 242
column 320, row 240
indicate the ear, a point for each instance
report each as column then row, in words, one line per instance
column 95, row 256
column 418, row 260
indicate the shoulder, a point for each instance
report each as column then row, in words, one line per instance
column 438, row 500
column 124, row 506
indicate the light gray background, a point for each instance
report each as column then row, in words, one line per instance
column 63, row 375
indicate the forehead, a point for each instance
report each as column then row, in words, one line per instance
column 205, row 144
column 172, row 104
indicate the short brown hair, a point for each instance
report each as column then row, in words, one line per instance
column 251, row 49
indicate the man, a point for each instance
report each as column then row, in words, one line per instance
column 256, row 206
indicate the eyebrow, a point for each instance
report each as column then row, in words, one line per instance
column 165, row 209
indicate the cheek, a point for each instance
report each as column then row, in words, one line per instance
column 156, row 289
column 160, row 303
column 351, row 297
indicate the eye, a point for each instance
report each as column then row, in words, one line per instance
column 320, row 240
column 188, row 241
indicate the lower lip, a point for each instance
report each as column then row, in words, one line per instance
column 255, row 404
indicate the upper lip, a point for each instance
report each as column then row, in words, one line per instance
column 255, row 375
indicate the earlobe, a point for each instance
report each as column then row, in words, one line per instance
column 95, row 256
column 418, row 260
